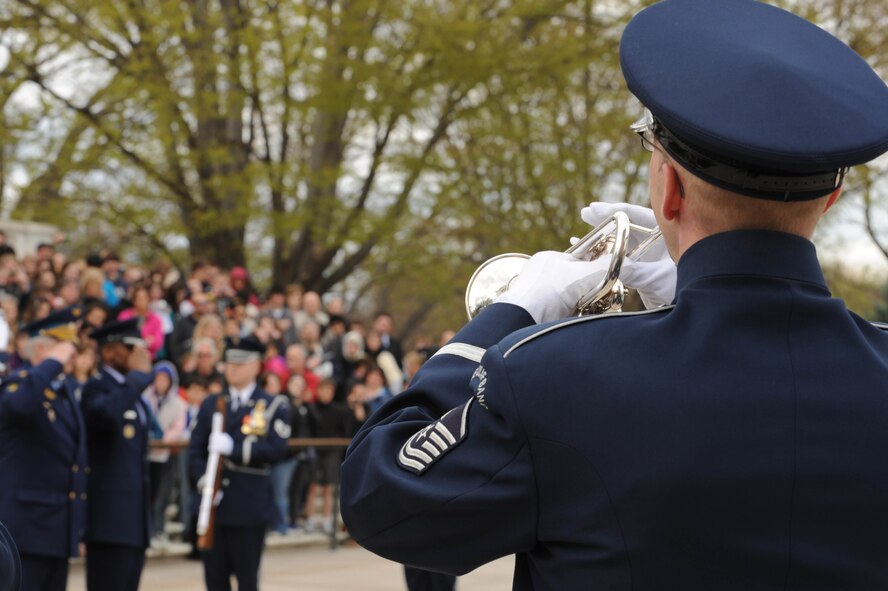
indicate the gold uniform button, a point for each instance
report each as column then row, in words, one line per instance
column 87, row 469
column 82, row 496
column 72, row 495
column 75, row 468
column 12, row 387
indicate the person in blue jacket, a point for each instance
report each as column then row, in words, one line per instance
column 731, row 436
column 257, row 426
column 118, row 423
column 43, row 461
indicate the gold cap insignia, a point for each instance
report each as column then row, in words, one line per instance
column 64, row 332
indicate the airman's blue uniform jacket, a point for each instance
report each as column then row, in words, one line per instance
column 733, row 441
column 10, row 563
column 118, row 423
column 43, row 462
column 247, row 498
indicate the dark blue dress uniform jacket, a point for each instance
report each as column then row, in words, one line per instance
column 10, row 563
column 119, row 509
column 43, row 462
column 735, row 441
column 247, row 498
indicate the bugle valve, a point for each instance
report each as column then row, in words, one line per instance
column 611, row 237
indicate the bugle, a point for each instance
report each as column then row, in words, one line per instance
column 611, row 237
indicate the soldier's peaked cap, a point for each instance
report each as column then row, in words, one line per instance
column 127, row 332
column 59, row 325
column 246, row 349
column 757, row 100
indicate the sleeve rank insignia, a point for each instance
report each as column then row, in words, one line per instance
column 430, row 444
column 282, row 429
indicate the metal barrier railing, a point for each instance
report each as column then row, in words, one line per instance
column 302, row 443
column 343, row 442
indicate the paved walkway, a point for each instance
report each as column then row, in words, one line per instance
column 348, row 568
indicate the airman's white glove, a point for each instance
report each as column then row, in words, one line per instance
column 551, row 284
column 654, row 274
column 655, row 281
column 221, row 443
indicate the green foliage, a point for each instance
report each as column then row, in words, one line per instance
column 861, row 294
column 337, row 131
column 343, row 143
column 880, row 310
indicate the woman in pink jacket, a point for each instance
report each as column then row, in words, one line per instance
column 152, row 325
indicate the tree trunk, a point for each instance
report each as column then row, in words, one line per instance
column 223, row 247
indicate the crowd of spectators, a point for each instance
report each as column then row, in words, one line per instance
column 334, row 368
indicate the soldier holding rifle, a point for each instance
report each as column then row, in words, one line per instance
column 255, row 436
column 118, row 420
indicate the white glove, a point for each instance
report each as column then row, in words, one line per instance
column 654, row 274
column 552, row 283
column 596, row 212
column 221, row 443
column 654, row 281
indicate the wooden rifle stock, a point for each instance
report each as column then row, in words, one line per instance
column 206, row 520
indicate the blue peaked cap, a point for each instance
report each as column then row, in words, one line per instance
column 128, row 332
column 244, row 350
column 60, row 324
column 756, row 88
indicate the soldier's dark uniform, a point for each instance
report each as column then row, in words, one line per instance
column 10, row 563
column 423, row 580
column 246, row 508
column 734, row 440
column 118, row 525
column 43, row 464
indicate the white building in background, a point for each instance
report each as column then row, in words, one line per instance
column 25, row 236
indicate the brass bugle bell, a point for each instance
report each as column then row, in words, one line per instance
column 611, row 237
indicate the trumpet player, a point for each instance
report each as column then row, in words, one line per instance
column 257, row 427
column 731, row 439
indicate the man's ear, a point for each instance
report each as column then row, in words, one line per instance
column 672, row 201
column 833, row 197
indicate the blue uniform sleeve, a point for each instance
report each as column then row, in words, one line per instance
column 200, row 438
column 103, row 409
column 22, row 395
column 441, row 477
column 10, row 564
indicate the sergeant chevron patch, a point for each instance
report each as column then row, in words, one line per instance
column 282, row 428
column 430, row 444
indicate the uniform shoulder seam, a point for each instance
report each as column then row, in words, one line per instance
column 581, row 320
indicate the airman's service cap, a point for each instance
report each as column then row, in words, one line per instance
column 60, row 325
column 754, row 99
column 127, row 332
column 246, row 349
